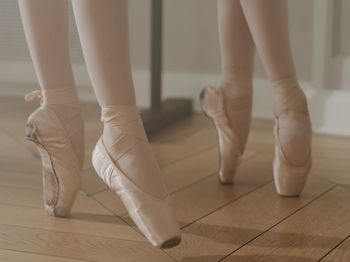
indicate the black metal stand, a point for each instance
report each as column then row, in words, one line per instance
column 161, row 114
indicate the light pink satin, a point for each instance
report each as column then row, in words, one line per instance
column 61, row 164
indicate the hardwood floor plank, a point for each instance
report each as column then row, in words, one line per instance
column 76, row 246
column 169, row 152
column 305, row 236
column 20, row 179
column 92, row 183
column 331, row 158
column 216, row 235
column 193, row 169
column 27, row 197
column 14, row 256
column 339, row 254
column 12, row 153
column 332, row 168
column 79, row 223
column 248, row 218
column 204, row 197
column 111, row 201
column 190, row 170
column 183, row 128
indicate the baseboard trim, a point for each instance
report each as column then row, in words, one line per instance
column 328, row 108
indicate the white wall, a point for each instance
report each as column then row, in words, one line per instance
column 190, row 35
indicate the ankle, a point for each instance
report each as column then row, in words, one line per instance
column 60, row 96
column 289, row 96
column 236, row 82
column 66, row 112
column 119, row 120
column 63, row 101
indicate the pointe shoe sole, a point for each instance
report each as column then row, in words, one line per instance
column 229, row 155
column 153, row 217
column 61, row 181
column 50, row 179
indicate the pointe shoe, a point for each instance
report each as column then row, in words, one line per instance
column 153, row 216
column 61, row 166
column 230, row 147
column 290, row 179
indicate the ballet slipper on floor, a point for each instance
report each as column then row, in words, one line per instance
column 61, row 166
column 152, row 215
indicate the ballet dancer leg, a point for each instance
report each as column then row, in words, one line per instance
column 57, row 126
column 123, row 157
column 229, row 105
column 268, row 23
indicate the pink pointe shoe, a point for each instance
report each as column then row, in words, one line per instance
column 153, row 216
column 290, row 178
column 61, row 165
column 230, row 147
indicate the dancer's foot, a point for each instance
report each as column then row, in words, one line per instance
column 230, row 110
column 57, row 129
column 124, row 160
column 293, row 133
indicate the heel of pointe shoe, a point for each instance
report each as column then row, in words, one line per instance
column 58, row 199
column 229, row 154
column 153, row 217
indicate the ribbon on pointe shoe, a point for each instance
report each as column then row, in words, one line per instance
column 36, row 94
column 58, row 96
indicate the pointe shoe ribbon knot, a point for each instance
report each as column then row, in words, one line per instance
column 36, row 94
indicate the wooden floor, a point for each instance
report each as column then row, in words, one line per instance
column 244, row 222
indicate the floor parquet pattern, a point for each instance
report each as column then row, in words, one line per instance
column 244, row 222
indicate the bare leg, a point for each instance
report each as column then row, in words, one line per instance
column 229, row 104
column 46, row 28
column 103, row 30
column 57, row 126
column 237, row 63
column 123, row 157
column 236, row 43
column 268, row 23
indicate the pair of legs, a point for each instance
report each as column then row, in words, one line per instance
column 123, row 157
column 248, row 24
column 103, row 31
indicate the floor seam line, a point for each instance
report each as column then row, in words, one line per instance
column 335, row 247
column 236, row 199
column 279, row 222
column 40, row 254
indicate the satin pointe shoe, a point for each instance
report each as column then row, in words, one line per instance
column 153, row 216
column 61, row 165
column 231, row 148
column 290, row 178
